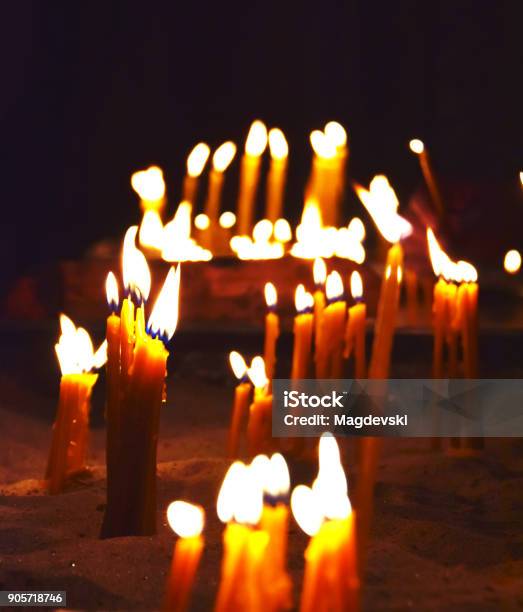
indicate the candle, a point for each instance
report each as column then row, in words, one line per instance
column 329, row 359
column 240, row 505
column 512, row 261
column 272, row 329
column 242, row 398
column 249, row 175
column 324, row 512
column 355, row 331
column 68, row 451
column 187, row 521
column 150, row 187
column 337, row 134
column 196, row 161
column 259, row 427
column 303, row 326
column 323, row 183
column 279, row 151
column 319, row 271
column 418, row 147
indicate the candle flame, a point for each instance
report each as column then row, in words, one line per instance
column 306, row 510
column 356, row 285
column 227, row 219
column 240, row 497
column 111, row 291
column 302, row 299
column 334, row 286
column 256, row 139
column 272, row 474
column 186, row 520
column 149, row 184
column 151, row 230
column 319, row 271
column 262, row 231
column 278, row 144
column 260, row 246
column 282, row 230
column 223, row 156
column 356, row 228
column 331, row 482
column 467, row 272
column 136, row 274
column 399, row 274
column 257, row 373
column 202, row 221
column 164, row 316
column 512, row 261
column 416, row 146
column 74, row 349
column 238, row 365
column 336, row 133
column 271, row 295
column 382, row 204
column 177, row 242
column 322, row 146
column 197, row 159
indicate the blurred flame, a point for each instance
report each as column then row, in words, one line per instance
column 416, row 146
column 240, row 497
column 149, row 184
column 331, row 483
column 322, row 146
column 238, row 365
column 356, row 285
column 136, row 274
column 262, row 231
column 257, row 373
column 278, row 144
column 467, row 271
column 306, row 510
column 164, row 316
column 302, row 299
column 512, row 261
column 223, row 156
column 382, row 205
column 151, row 230
column 256, row 139
column 319, row 271
column 186, row 520
column 100, row 357
column 438, row 258
column 334, row 286
column 357, row 229
column 177, row 242
column 227, row 219
column 260, row 246
column 461, row 271
column 399, row 274
column 272, row 474
column 197, row 159
column 202, row 221
column 282, row 230
column 111, row 291
column 336, row 133
column 271, row 295
column 74, row 349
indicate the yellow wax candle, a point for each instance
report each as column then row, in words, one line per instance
column 187, row 521
column 272, row 330
column 319, row 271
column 337, row 135
column 249, row 176
column 417, row 146
column 259, row 428
column 279, row 150
column 329, row 360
column 242, row 395
column 355, row 331
column 323, row 183
column 303, row 327
column 439, row 308
column 196, row 161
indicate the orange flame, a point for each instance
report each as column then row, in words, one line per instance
column 238, row 365
column 223, row 156
column 271, row 295
column 186, row 520
column 240, row 497
column 75, row 349
column 197, row 159
column 278, row 144
column 356, row 285
column 136, row 274
column 512, row 261
column 111, row 291
column 334, row 286
column 256, row 139
column 149, row 184
column 164, row 316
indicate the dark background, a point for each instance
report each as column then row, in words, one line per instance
column 94, row 90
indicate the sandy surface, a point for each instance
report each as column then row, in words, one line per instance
column 448, row 533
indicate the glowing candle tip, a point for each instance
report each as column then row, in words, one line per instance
column 186, row 520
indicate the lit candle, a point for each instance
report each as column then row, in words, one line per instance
column 249, row 175
column 512, row 261
column 196, row 161
column 303, row 327
column 68, row 451
column 150, row 186
column 329, row 359
column 319, row 271
column 355, row 331
column 279, row 150
column 272, row 329
column 242, row 398
column 418, row 147
column 240, row 505
column 187, row 521
column 323, row 183
column 337, row 134
column 259, row 427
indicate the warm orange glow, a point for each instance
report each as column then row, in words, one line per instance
column 257, row 373
column 164, row 316
column 238, row 365
column 282, row 230
column 256, row 139
column 111, row 292
column 260, row 246
column 186, row 520
column 279, row 482
column 319, row 271
column 382, row 204
column 322, row 146
column 309, row 243
column 441, row 262
column 399, row 274
column 149, row 184
column 227, row 219
column 357, row 229
column 521, row 177
column 262, row 231
column 177, row 242
column 467, row 272
column 512, row 261
column 416, row 146
column 278, row 144
column 202, row 221
column 240, row 497
column 336, row 133
column 223, row 156
column 356, row 285
column 271, row 295
column 74, row 349
column 306, row 510
column 330, row 485
column 334, row 286
column 197, row 159
column 302, row 299
column 151, row 230
column 136, row 274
